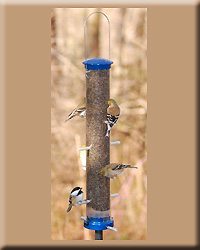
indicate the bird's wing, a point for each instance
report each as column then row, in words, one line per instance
column 112, row 119
column 80, row 110
column 70, row 199
column 115, row 111
column 117, row 167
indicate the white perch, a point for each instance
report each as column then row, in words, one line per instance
column 113, row 195
column 84, row 148
column 115, row 143
column 83, row 218
column 112, row 228
column 89, row 147
column 85, row 201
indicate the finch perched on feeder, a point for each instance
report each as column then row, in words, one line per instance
column 79, row 110
column 76, row 198
column 114, row 169
column 113, row 112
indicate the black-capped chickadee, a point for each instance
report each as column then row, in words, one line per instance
column 76, row 198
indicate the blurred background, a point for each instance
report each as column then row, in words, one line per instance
column 128, row 85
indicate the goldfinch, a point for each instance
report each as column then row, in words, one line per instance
column 113, row 112
column 114, row 169
column 79, row 110
column 76, row 198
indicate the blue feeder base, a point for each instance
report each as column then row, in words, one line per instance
column 98, row 223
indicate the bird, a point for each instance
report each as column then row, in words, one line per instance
column 76, row 198
column 113, row 113
column 80, row 110
column 114, row 169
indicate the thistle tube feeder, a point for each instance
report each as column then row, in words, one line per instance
column 97, row 186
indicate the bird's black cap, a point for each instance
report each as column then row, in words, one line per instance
column 76, row 188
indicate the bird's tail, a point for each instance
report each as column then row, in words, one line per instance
column 69, row 208
column 129, row 166
column 70, row 116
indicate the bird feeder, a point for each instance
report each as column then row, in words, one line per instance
column 98, row 156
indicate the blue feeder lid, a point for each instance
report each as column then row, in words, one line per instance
column 97, row 63
column 98, row 223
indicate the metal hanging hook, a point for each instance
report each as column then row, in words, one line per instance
column 85, row 41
